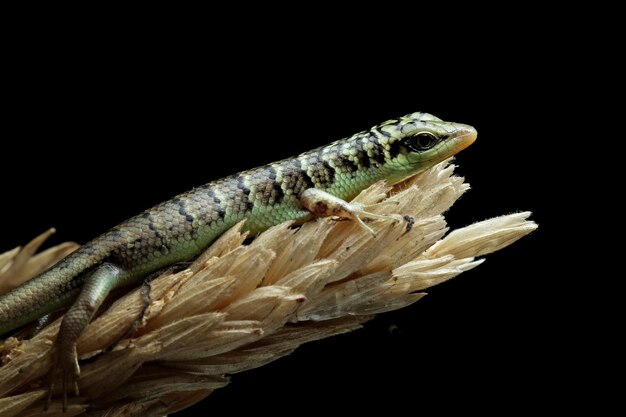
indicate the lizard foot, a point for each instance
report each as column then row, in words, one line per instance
column 323, row 204
column 67, row 370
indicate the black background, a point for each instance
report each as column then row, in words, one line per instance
column 92, row 138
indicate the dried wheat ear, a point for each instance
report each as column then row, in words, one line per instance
column 240, row 306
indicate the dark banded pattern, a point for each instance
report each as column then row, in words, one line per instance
column 179, row 229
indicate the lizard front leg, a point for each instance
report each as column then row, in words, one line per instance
column 322, row 204
column 96, row 288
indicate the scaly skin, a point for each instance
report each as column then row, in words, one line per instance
column 180, row 229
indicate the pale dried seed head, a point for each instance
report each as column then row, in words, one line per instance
column 236, row 306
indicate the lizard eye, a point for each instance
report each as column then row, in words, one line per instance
column 422, row 141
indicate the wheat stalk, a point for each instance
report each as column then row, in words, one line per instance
column 240, row 306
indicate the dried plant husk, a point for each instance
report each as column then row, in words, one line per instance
column 240, row 306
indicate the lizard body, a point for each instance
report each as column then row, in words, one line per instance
column 181, row 228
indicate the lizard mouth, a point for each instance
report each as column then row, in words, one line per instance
column 463, row 139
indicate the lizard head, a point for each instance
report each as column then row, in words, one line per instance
column 417, row 141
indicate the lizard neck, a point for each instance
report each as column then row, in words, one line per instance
column 346, row 167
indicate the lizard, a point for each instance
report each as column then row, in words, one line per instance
column 317, row 183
